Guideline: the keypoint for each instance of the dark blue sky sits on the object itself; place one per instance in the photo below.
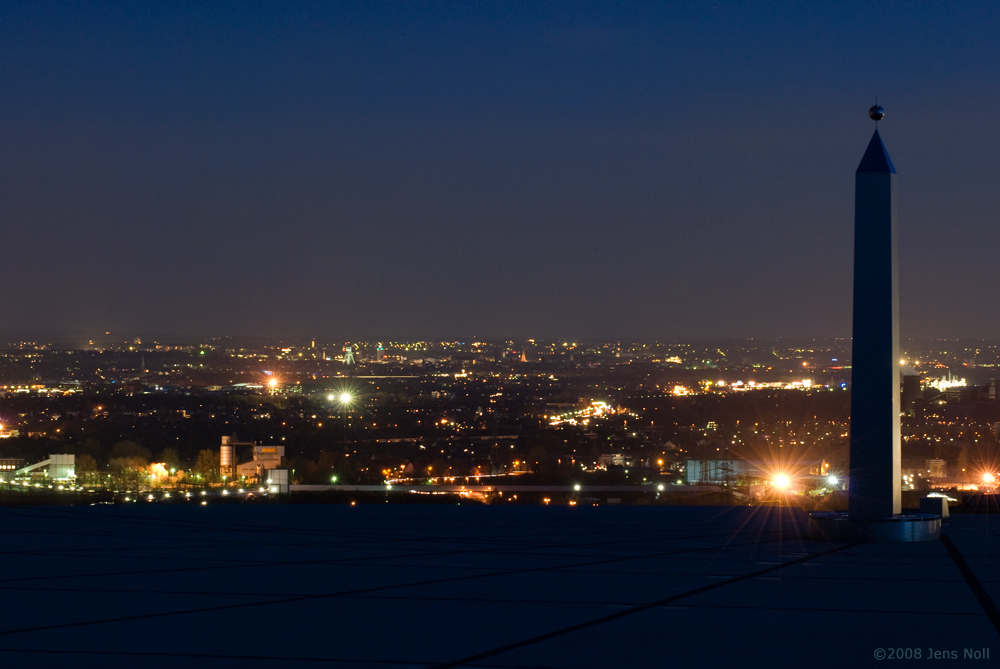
(351, 170)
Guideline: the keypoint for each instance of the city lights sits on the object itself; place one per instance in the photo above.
(947, 382)
(441, 413)
(596, 409)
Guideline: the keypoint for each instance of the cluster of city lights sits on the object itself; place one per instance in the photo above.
(946, 382)
(717, 386)
(596, 409)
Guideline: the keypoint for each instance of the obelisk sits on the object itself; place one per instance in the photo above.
(874, 508)
(874, 479)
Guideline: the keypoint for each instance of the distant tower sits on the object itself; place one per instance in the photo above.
(875, 433)
(226, 458)
(348, 355)
(380, 353)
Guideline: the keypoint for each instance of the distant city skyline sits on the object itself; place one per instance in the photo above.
(89, 339)
(678, 171)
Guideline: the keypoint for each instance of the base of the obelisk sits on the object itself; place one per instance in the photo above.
(837, 526)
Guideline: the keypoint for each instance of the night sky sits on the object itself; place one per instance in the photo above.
(448, 170)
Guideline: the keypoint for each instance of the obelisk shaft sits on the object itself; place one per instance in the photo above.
(875, 436)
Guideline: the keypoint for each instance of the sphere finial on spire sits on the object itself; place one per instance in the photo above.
(876, 113)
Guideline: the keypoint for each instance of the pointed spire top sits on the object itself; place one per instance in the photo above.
(876, 158)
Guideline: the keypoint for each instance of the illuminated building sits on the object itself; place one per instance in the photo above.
(7, 464)
(227, 458)
(265, 458)
(611, 460)
(59, 466)
(937, 468)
